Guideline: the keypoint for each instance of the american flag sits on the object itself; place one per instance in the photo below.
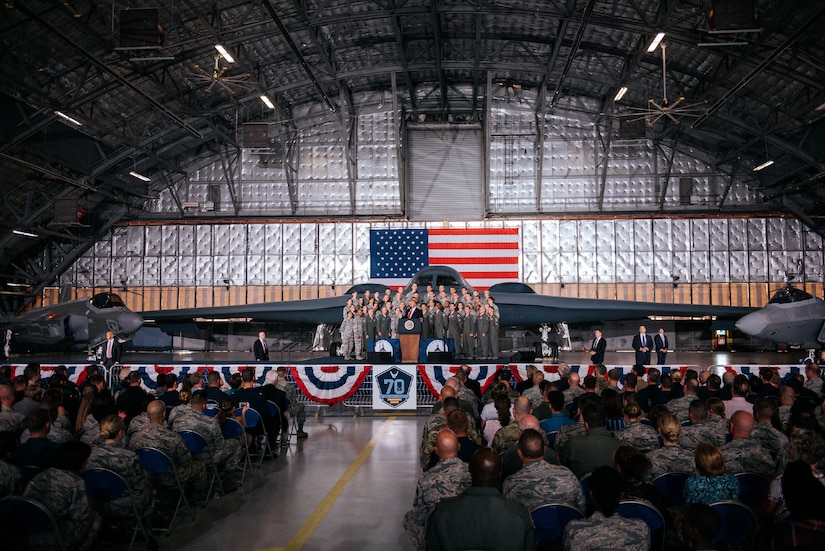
(484, 256)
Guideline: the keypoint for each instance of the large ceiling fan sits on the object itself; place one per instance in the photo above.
(655, 110)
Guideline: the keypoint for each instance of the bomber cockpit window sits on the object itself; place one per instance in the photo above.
(788, 295)
(106, 300)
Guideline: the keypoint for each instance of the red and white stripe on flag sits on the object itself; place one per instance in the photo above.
(484, 256)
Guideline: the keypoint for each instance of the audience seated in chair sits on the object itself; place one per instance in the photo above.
(62, 491)
(606, 529)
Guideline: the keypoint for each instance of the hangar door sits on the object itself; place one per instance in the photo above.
(444, 173)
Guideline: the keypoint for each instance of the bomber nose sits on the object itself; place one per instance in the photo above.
(753, 323)
(130, 322)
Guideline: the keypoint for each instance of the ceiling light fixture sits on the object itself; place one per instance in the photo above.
(620, 94)
(821, 107)
(25, 233)
(139, 176)
(12, 284)
(768, 161)
(655, 44)
(224, 53)
(67, 118)
(267, 102)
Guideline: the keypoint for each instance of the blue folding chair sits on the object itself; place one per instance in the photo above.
(275, 413)
(197, 445)
(550, 520)
(739, 525)
(632, 508)
(752, 489)
(210, 411)
(670, 487)
(585, 482)
(551, 438)
(104, 486)
(157, 465)
(233, 430)
(27, 524)
(255, 427)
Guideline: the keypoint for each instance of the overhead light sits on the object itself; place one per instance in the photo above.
(11, 284)
(25, 233)
(620, 94)
(225, 54)
(763, 166)
(67, 118)
(139, 176)
(267, 102)
(768, 162)
(821, 107)
(656, 40)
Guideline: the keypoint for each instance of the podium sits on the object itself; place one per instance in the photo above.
(409, 334)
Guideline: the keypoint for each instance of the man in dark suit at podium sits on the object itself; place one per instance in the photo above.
(597, 348)
(413, 312)
(642, 343)
(260, 348)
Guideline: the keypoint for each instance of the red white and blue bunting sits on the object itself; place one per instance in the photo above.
(435, 376)
(331, 384)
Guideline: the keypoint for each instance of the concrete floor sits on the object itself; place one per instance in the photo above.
(344, 488)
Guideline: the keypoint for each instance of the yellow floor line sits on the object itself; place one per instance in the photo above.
(304, 533)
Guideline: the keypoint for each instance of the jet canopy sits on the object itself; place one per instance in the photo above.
(106, 300)
(788, 295)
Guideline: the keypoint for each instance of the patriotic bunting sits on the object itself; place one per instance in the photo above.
(331, 384)
(435, 376)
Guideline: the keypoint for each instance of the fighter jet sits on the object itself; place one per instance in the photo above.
(791, 317)
(518, 305)
(84, 321)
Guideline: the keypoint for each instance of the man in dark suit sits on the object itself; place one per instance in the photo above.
(260, 348)
(413, 312)
(661, 344)
(597, 348)
(112, 349)
(642, 343)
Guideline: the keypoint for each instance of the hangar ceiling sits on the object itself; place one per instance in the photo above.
(165, 111)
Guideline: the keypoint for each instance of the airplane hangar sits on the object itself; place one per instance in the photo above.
(140, 158)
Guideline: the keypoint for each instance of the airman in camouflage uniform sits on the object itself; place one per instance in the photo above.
(127, 464)
(601, 532)
(567, 433)
(671, 459)
(359, 334)
(538, 482)
(714, 430)
(296, 408)
(435, 423)
(194, 420)
(508, 436)
(10, 479)
(348, 335)
(680, 406)
(771, 439)
(11, 420)
(640, 436)
(574, 390)
(449, 477)
(192, 472)
(63, 493)
(745, 454)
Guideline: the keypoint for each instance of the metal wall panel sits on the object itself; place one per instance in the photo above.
(592, 256)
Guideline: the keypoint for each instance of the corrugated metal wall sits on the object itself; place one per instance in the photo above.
(718, 260)
(559, 188)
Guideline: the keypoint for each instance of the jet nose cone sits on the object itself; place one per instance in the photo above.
(753, 323)
(130, 322)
